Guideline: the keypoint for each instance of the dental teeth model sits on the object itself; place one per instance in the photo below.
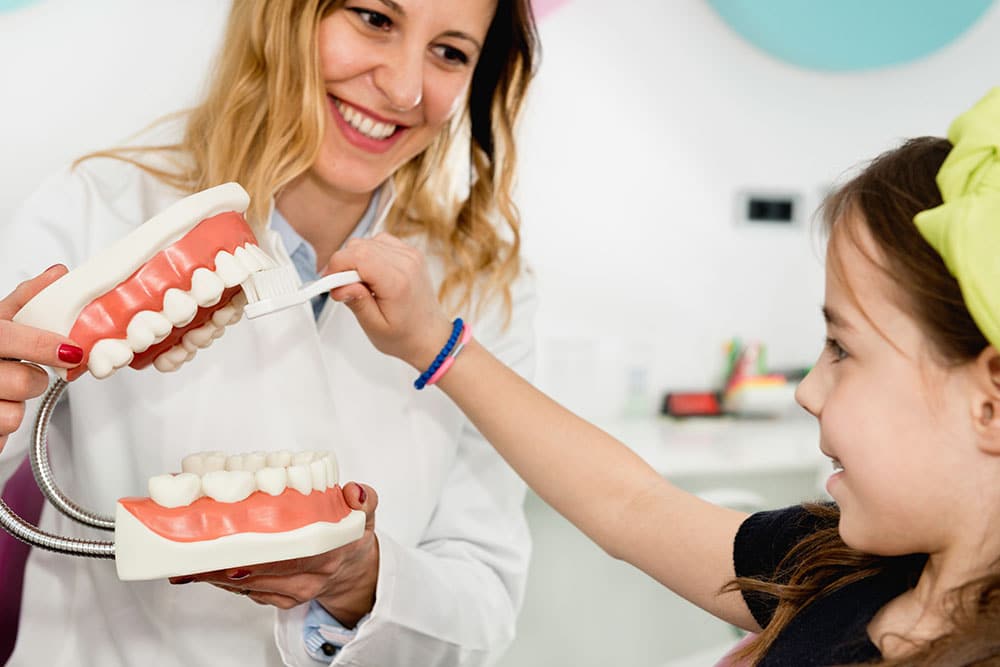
(160, 294)
(230, 511)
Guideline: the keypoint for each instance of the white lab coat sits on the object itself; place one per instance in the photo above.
(453, 539)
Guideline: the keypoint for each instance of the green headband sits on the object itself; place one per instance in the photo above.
(965, 230)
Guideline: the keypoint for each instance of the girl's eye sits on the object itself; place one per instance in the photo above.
(374, 19)
(838, 353)
(452, 55)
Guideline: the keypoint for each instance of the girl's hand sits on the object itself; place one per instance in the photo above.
(342, 581)
(19, 381)
(396, 305)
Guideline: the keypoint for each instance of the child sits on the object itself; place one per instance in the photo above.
(902, 568)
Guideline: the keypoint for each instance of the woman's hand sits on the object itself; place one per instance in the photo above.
(342, 580)
(396, 306)
(19, 381)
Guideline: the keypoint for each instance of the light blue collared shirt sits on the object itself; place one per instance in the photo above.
(304, 255)
(323, 634)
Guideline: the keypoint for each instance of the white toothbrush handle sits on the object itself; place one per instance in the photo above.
(327, 283)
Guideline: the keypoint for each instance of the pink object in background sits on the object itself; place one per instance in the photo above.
(545, 7)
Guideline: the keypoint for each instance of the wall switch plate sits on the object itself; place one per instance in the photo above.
(769, 207)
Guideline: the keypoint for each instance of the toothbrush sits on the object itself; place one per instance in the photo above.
(271, 290)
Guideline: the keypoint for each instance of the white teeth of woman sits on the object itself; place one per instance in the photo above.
(175, 490)
(268, 472)
(228, 486)
(364, 124)
(148, 327)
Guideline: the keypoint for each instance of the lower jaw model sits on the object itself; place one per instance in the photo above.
(160, 294)
(223, 512)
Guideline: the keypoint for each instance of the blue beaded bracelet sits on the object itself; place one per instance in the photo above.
(456, 330)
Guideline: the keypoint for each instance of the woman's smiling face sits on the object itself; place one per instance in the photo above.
(395, 73)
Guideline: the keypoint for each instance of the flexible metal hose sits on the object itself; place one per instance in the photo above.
(30, 534)
(42, 469)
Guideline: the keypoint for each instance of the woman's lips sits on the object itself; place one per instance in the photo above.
(355, 136)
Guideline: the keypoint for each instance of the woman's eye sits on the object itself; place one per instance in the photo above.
(374, 19)
(452, 55)
(838, 352)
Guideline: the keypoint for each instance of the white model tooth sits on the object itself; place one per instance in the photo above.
(271, 481)
(279, 459)
(263, 258)
(228, 486)
(206, 287)
(224, 316)
(247, 259)
(332, 471)
(235, 462)
(318, 471)
(199, 338)
(178, 307)
(254, 461)
(300, 479)
(214, 461)
(175, 490)
(107, 356)
(165, 364)
(301, 458)
(239, 300)
(194, 463)
(217, 332)
(231, 271)
(147, 328)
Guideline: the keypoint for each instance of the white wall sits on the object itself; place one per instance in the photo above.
(646, 118)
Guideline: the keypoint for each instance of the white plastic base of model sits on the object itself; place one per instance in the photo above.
(57, 307)
(141, 554)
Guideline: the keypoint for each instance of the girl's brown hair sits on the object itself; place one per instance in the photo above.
(263, 118)
(881, 201)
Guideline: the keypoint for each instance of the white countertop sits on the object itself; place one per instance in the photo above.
(721, 445)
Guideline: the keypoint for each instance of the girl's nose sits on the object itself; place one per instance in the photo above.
(401, 79)
(809, 393)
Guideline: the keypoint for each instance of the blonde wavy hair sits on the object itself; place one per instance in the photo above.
(263, 118)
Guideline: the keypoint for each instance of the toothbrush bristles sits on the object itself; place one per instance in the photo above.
(270, 283)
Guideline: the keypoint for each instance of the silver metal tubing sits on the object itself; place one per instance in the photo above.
(30, 534)
(42, 469)
(25, 532)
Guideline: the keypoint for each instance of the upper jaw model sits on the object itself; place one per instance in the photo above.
(161, 293)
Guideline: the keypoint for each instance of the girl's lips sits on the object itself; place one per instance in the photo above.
(358, 139)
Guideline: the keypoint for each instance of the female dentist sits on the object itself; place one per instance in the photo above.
(341, 119)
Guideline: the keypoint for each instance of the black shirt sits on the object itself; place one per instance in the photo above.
(832, 630)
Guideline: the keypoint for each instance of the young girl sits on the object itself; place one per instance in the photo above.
(903, 568)
(339, 117)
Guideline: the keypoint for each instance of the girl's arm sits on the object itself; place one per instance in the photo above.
(589, 477)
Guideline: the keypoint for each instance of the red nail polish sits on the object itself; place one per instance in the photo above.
(70, 354)
(362, 495)
(182, 580)
(240, 574)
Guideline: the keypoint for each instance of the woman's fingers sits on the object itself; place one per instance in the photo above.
(20, 342)
(24, 292)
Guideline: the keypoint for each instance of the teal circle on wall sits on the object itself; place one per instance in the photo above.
(7, 5)
(849, 34)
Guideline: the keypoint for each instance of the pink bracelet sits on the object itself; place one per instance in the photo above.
(466, 337)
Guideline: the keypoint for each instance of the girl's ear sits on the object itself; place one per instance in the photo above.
(986, 400)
